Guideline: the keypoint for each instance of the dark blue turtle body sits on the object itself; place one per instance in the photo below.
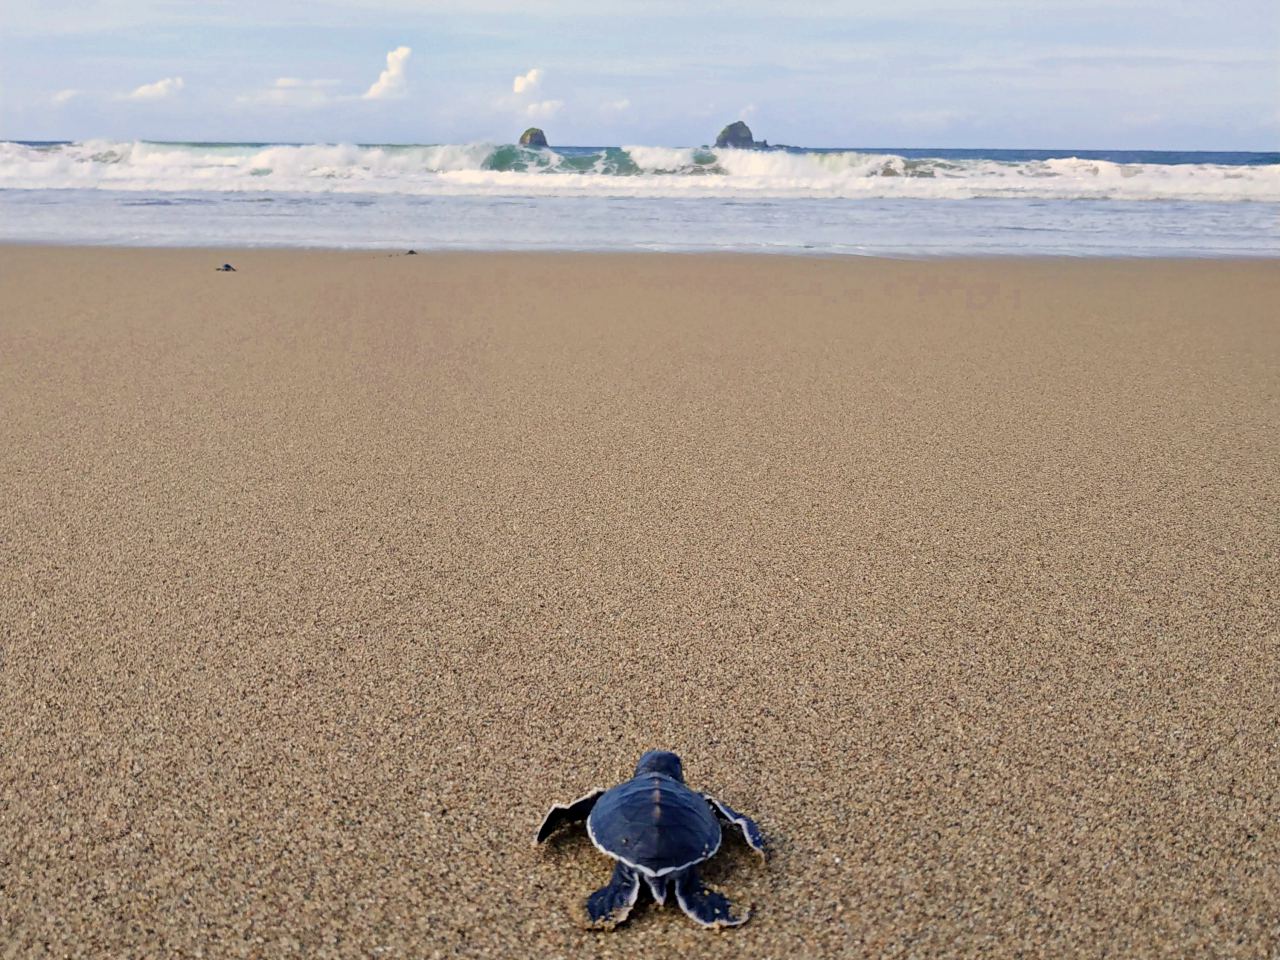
(658, 830)
(654, 824)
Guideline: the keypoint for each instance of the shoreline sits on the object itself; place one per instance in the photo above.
(798, 254)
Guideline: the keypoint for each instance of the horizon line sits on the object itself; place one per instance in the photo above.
(588, 146)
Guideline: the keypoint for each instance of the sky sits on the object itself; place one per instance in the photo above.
(1082, 74)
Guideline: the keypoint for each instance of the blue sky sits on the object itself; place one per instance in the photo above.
(995, 73)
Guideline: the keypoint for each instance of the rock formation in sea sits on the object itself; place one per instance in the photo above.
(736, 134)
(533, 137)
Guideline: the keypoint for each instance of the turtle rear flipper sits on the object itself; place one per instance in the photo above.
(703, 905)
(574, 812)
(750, 830)
(612, 903)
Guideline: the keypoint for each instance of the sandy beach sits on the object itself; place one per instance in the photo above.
(321, 580)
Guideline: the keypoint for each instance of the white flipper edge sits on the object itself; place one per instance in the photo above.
(750, 830)
(562, 813)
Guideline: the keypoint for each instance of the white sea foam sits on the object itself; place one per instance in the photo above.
(483, 169)
(662, 159)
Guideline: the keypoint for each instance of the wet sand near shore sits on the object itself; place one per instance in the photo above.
(323, 579)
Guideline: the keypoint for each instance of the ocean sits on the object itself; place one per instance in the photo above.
(483, 196)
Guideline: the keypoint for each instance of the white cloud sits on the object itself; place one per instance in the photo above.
(616, 106)
(543, 109)
(391, 83)
(65, 96)
(292, 83)
(526, 82)
(292, 92)
(158, 90)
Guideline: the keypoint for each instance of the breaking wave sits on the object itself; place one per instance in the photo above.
(484, 169)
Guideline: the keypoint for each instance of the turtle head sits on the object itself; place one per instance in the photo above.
(661, 761)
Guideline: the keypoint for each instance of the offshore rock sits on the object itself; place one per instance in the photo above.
(736, 134)
(533, 137)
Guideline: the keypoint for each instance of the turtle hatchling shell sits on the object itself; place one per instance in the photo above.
(654, 823)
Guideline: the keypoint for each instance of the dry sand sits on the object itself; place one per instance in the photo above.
(323, 579)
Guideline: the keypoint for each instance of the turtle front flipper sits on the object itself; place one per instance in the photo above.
(750, 830)
(574, 812)
(703, 905)
(612, 903)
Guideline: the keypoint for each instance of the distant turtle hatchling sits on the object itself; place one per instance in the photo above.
(659, 831)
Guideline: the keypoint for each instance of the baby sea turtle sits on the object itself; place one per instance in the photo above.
(658, 830)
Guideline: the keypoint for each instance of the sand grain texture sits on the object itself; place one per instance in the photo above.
(323, 579)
